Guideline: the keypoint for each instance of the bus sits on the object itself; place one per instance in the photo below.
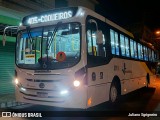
(75, 58)
(158, 69)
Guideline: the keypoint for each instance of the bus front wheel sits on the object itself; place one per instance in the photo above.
(113, 93)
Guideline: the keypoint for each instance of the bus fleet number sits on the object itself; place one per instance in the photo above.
(94, 76)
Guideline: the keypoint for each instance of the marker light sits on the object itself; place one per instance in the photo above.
(76, 83)
(23, 89)
(16, 81)
(89, 102)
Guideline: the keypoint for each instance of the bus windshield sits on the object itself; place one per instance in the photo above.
(50, 47)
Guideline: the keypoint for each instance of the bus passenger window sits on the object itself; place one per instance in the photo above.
(114, 42)
(135, 50)
(149, 54)
(140, 52)
(127, 47)
(122, 45)
(155, 55)
(131, 48)
(153, 59)
(145, 53)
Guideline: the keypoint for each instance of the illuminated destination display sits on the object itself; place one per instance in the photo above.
(50, 17)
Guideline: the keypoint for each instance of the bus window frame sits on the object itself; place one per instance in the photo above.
(93, 61)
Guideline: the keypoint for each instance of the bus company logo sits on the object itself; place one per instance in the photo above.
(124, 69)
(41, 85)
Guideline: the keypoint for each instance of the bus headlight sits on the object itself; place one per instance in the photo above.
(64, 92)
(76, 83)
(16, 81)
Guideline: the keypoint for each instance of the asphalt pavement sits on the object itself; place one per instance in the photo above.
(145, 100)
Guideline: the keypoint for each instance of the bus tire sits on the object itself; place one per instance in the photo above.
(114, 93)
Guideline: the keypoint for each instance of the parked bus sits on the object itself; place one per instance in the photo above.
(75, 58)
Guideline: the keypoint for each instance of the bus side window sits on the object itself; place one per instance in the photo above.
(94, 48)
(122, 43)
(114, 42)
(139, 51)
(132, 48)
(149, 54)
(153, 56)
(91, 38)
(127, 46)
(142, 53)
(145, 53)
(135, 50)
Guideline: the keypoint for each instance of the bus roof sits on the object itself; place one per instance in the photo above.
(65, 13)
(98, 16)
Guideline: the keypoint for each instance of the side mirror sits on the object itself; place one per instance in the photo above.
(4, 39)
(4, 35)
(99, 35)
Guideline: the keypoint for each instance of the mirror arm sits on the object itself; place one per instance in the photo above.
(4, 35)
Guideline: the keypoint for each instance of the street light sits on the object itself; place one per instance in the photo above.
(157, 32)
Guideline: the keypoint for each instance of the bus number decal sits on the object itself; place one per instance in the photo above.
(101, 75)
(93, 76)
(116, 67)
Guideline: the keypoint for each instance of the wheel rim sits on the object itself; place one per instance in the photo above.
(113, 94)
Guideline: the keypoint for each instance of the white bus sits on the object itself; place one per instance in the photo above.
(75, 58)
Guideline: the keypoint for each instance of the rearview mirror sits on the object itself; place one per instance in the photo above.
(4, 35)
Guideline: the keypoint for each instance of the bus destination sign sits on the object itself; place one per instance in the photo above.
(49, 17)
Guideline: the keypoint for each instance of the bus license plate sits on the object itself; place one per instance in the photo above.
(42, 94)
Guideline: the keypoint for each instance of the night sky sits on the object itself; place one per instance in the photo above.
(127, 12)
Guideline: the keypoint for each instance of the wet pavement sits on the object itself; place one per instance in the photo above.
(143, 101)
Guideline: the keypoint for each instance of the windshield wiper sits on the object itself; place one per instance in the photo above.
(29, 34)
(49, 42)
(52, 35)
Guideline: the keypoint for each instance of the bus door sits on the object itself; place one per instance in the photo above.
(95, 62)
